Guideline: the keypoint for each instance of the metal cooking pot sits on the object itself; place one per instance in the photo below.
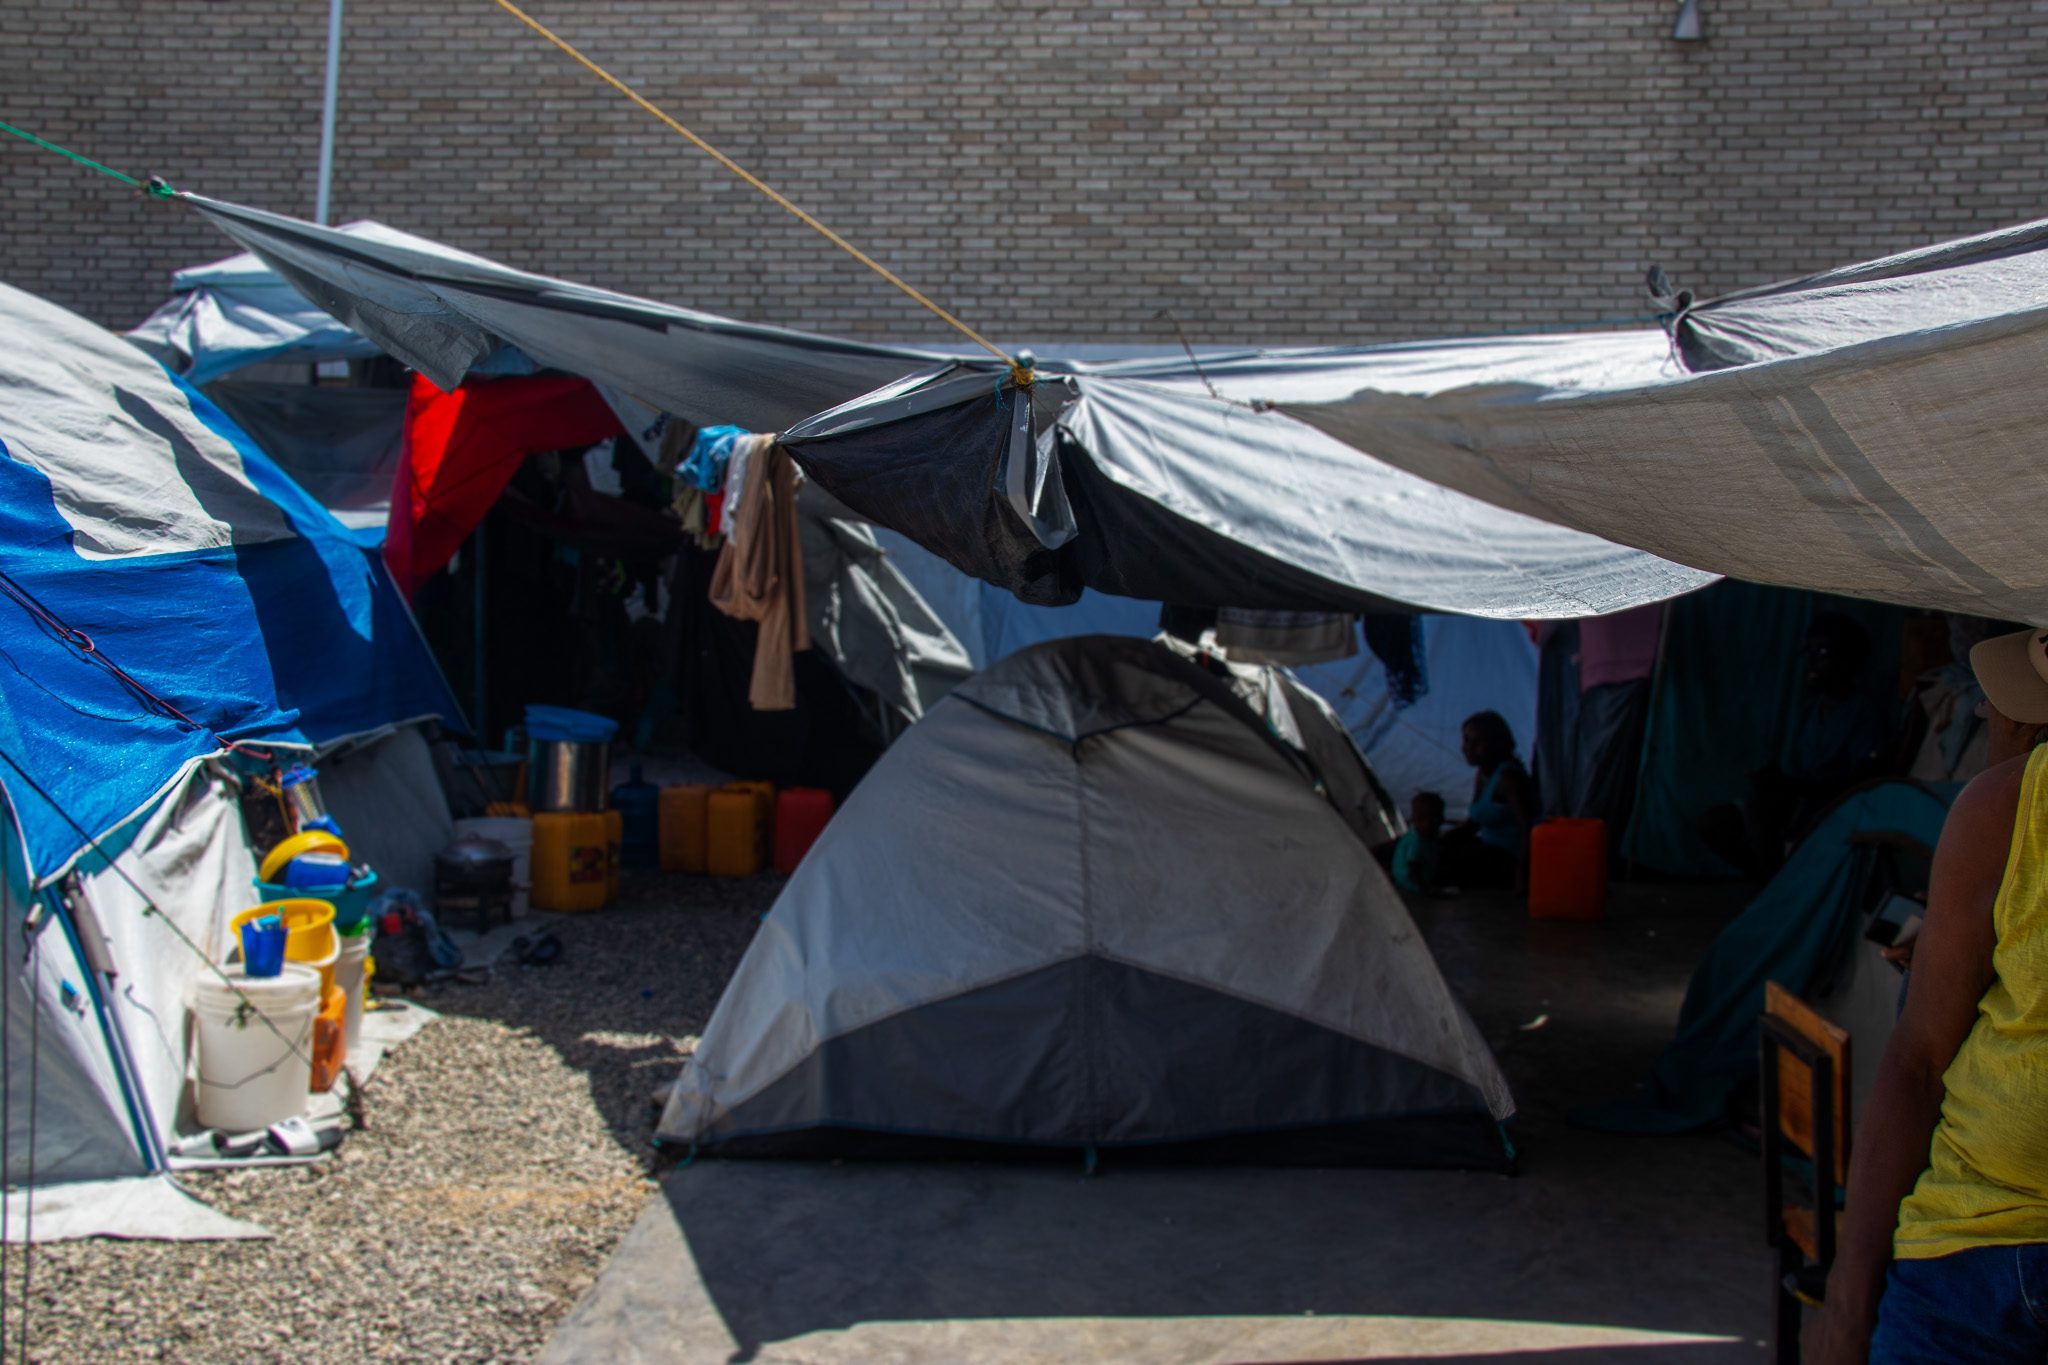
(475, 857)
(568, 775)
(473, 877)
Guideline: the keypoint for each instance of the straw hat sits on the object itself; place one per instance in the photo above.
(2013, 670)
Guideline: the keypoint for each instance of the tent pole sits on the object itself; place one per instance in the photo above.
(100, 989)
(477, 673)
(1635, 803)
(327, 111)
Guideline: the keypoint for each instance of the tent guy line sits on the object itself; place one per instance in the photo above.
(84, 644)
(153, 185)
(158, 187)
(1019, 372)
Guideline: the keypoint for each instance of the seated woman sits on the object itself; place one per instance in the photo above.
(1491, 847)
(1944, 1243)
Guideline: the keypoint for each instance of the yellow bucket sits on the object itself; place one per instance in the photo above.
(309, 940)
(312, 841)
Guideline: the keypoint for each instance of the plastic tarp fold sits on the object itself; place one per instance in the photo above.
(1872, 431)
(236, 312)
(444, 311)
(870, 620)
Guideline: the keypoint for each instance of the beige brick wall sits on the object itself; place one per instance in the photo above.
(1267, 172)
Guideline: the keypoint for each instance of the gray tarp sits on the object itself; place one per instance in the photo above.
(1146, 489)
(1317, 522)
(444, 311)
(1871, 431)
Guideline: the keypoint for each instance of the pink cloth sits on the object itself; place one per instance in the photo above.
(1619, 648)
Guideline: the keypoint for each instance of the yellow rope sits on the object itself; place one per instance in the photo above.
(743, 173)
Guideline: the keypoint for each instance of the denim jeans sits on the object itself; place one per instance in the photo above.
(1985, 1306)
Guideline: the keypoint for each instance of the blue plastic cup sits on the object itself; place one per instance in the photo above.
(263, 946)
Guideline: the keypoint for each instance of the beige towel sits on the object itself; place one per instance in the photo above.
(760, 573)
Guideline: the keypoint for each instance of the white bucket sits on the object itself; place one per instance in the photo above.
(515, 833)
(249, 1076)
(348, 979)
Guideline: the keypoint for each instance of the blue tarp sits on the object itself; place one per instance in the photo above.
(136, 517)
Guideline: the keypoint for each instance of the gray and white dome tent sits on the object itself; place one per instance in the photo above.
(1092, 900)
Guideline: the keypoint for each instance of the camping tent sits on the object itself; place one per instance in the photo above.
(175, 611)
(1091, 901)
(1409, 734)
(229, 314)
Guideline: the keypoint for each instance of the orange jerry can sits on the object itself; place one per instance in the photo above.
(732, 822)
(571, 861)
(1568, 870)
(800, 816)
(764, 818)
(683, 831)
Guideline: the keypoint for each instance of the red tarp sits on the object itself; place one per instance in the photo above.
(461, 449)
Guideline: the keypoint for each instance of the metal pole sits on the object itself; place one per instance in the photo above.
(327, 110)
(479, 675)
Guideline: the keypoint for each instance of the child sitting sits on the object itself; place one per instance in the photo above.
(1415, 856)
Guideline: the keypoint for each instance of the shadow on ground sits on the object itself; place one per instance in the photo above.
(1606, 1248)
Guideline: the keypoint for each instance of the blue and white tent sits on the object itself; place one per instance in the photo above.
(169, 600)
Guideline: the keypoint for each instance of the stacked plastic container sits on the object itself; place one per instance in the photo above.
(739, 829)
(575, 835)
(1568, 870)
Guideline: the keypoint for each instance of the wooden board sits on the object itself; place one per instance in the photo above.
(1795, 1078)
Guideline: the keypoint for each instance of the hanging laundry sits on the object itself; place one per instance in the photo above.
(1285, 637)
(1619, 648)
(678, 439)
(743, 451)
(689, 508)
(1396, 641)
(705, 465)
(760, 573)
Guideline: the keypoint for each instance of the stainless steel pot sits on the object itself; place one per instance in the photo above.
(564, 775)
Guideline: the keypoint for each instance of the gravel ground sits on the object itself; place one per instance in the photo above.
(506, 1151)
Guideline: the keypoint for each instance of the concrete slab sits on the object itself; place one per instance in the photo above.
(1606, 1248)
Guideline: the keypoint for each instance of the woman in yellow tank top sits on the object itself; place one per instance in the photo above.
(1944, 1245)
